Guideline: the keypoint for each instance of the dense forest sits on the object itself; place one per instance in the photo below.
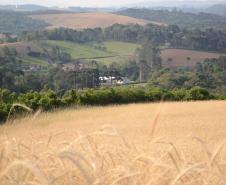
(182, 19)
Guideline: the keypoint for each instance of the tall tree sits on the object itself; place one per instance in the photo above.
(149, 59)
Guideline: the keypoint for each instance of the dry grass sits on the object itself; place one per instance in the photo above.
(87, 20)
(180, 57)
(142, 144)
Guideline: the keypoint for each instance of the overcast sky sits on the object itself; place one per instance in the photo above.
(86, 3)
(65, 3)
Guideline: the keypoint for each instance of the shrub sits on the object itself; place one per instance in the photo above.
(4, 109)
(180, 94)
(168, 96)
(154, 94)
(50, 100)
(198, 93)
(70, 98)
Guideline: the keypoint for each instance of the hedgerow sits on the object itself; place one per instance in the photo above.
(104, 96)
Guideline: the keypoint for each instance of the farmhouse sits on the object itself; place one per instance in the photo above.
(112, 80)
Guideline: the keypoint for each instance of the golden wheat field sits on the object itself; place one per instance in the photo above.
(137, 144)
(88, 20)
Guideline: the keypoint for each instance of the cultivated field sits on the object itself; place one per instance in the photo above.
(181, 57)
(87, 20)
(137, 144)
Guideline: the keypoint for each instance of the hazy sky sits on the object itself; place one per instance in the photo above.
(87, 3)
(65, 3)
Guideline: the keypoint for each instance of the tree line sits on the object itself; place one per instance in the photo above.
(210, 74)
(168, 36)
(178, 17)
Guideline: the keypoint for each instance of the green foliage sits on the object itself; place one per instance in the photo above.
(50, 100)
(3, 112)
(96, 97)
(149, 59)
(207, 39)
(70, 98)
(154, 94)
(180, 94)
(210, 74)
(198, 93)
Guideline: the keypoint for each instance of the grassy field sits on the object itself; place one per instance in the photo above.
(113, 48)
(121, 48)
(136, 144)
(115, 51)
(190, 58)
(78, 51)
(118, 52)
(86, 20)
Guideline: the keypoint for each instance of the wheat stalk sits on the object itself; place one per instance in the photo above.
(18, 105)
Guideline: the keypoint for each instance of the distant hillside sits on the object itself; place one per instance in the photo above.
(182, 19)
(86, 9)
(17, 22)
(197, 4)
(32, 7)
(24, 7)
(86, 20)
(219, 9)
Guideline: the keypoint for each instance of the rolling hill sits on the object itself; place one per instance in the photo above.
(219, 9)
(16, 22)
(23, 7)
(104, 53)
(182, 19)
(110, 52)
(87, 20)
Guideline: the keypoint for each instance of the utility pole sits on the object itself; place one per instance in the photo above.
(74, 79)
(93, 82)
(86, 78)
